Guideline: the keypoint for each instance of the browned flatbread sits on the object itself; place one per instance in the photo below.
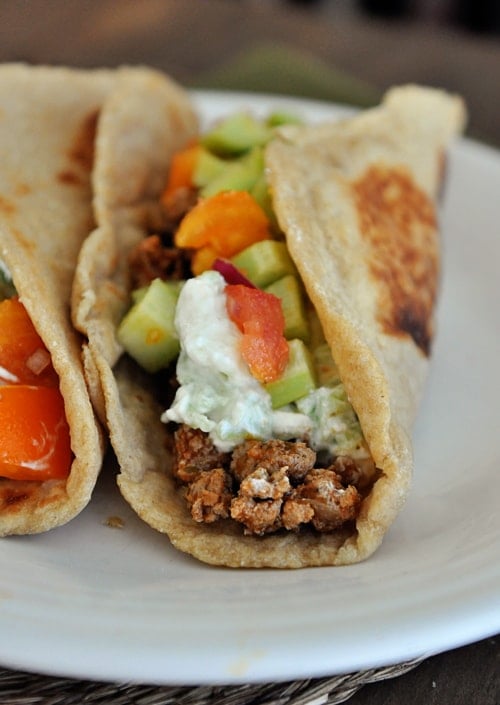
(357, 202)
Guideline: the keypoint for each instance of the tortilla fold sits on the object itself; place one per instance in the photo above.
(49, 126)
(357, 201)
(48, 118)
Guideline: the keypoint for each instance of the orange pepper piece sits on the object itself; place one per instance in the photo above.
(181, 170)
(228, 222)
(34, 435)
(259, 316)
(203, 259)
(19, 343)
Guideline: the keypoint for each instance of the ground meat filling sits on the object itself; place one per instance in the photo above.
(156, 256)
(152, 259)
(265, 485)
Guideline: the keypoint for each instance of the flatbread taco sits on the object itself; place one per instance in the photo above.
(51, 444)
(258, 342)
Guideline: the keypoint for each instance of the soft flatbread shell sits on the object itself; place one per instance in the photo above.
(144, 122)
(48, 118)
(345, 194)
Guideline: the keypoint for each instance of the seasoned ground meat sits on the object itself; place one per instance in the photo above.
(332, 503)
(272, 455)
(151, 259)
(296, 512)
(209, 496)
(177, 204)
(347, 470)
(265, 485)
(259, 500)
(194, 452)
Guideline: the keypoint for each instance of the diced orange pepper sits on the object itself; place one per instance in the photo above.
(19, 342)
(259, 316)
(181, 170)
(34, 435)
(203, 259)
(228, 222)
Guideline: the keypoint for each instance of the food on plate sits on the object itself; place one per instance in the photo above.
(276, 307)
(51, 444)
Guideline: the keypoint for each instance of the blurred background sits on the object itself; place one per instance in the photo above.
(348, 51)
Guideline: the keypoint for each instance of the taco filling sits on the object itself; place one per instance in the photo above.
(265, 434)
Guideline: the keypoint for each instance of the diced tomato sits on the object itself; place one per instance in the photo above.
(181, 170)
(23, 356)
(223, 225)
(259, 317)
(34, 434)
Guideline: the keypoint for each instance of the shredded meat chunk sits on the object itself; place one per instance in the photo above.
(209, 496)
(151, 259)
(194, 452)
(259, 500)
(272, 455)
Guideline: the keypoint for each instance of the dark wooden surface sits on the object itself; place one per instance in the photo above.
(192, 38)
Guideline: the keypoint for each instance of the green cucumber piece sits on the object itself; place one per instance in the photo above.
(236, 134)
(264, 262)
(282, 117)
(297, 380)
(260, 191)
(147, 331)
(288, 289)
(237, 175)
(326, 369)
(208, 167)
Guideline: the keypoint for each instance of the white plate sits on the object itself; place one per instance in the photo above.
(90, 601)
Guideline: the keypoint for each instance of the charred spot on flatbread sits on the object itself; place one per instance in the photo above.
(18, 496)
(398, 222)
(81, 152)
(6, 206)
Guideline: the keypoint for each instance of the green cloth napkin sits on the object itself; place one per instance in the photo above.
(281, 69)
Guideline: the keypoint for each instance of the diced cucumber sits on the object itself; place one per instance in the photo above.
(264, 262)
(282, 117)
(326, 369)
(147, 331)
(298, 378)
(237, 175)
(260, 191)
(236, 134)
(208, 167)
(289, 291)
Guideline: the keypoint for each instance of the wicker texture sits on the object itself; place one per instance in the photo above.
(18, 688)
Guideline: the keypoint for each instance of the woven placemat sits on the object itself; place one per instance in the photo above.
(19, 688)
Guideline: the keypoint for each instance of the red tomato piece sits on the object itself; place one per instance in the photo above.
(259, 317)
(34, 434)
(22, 351)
